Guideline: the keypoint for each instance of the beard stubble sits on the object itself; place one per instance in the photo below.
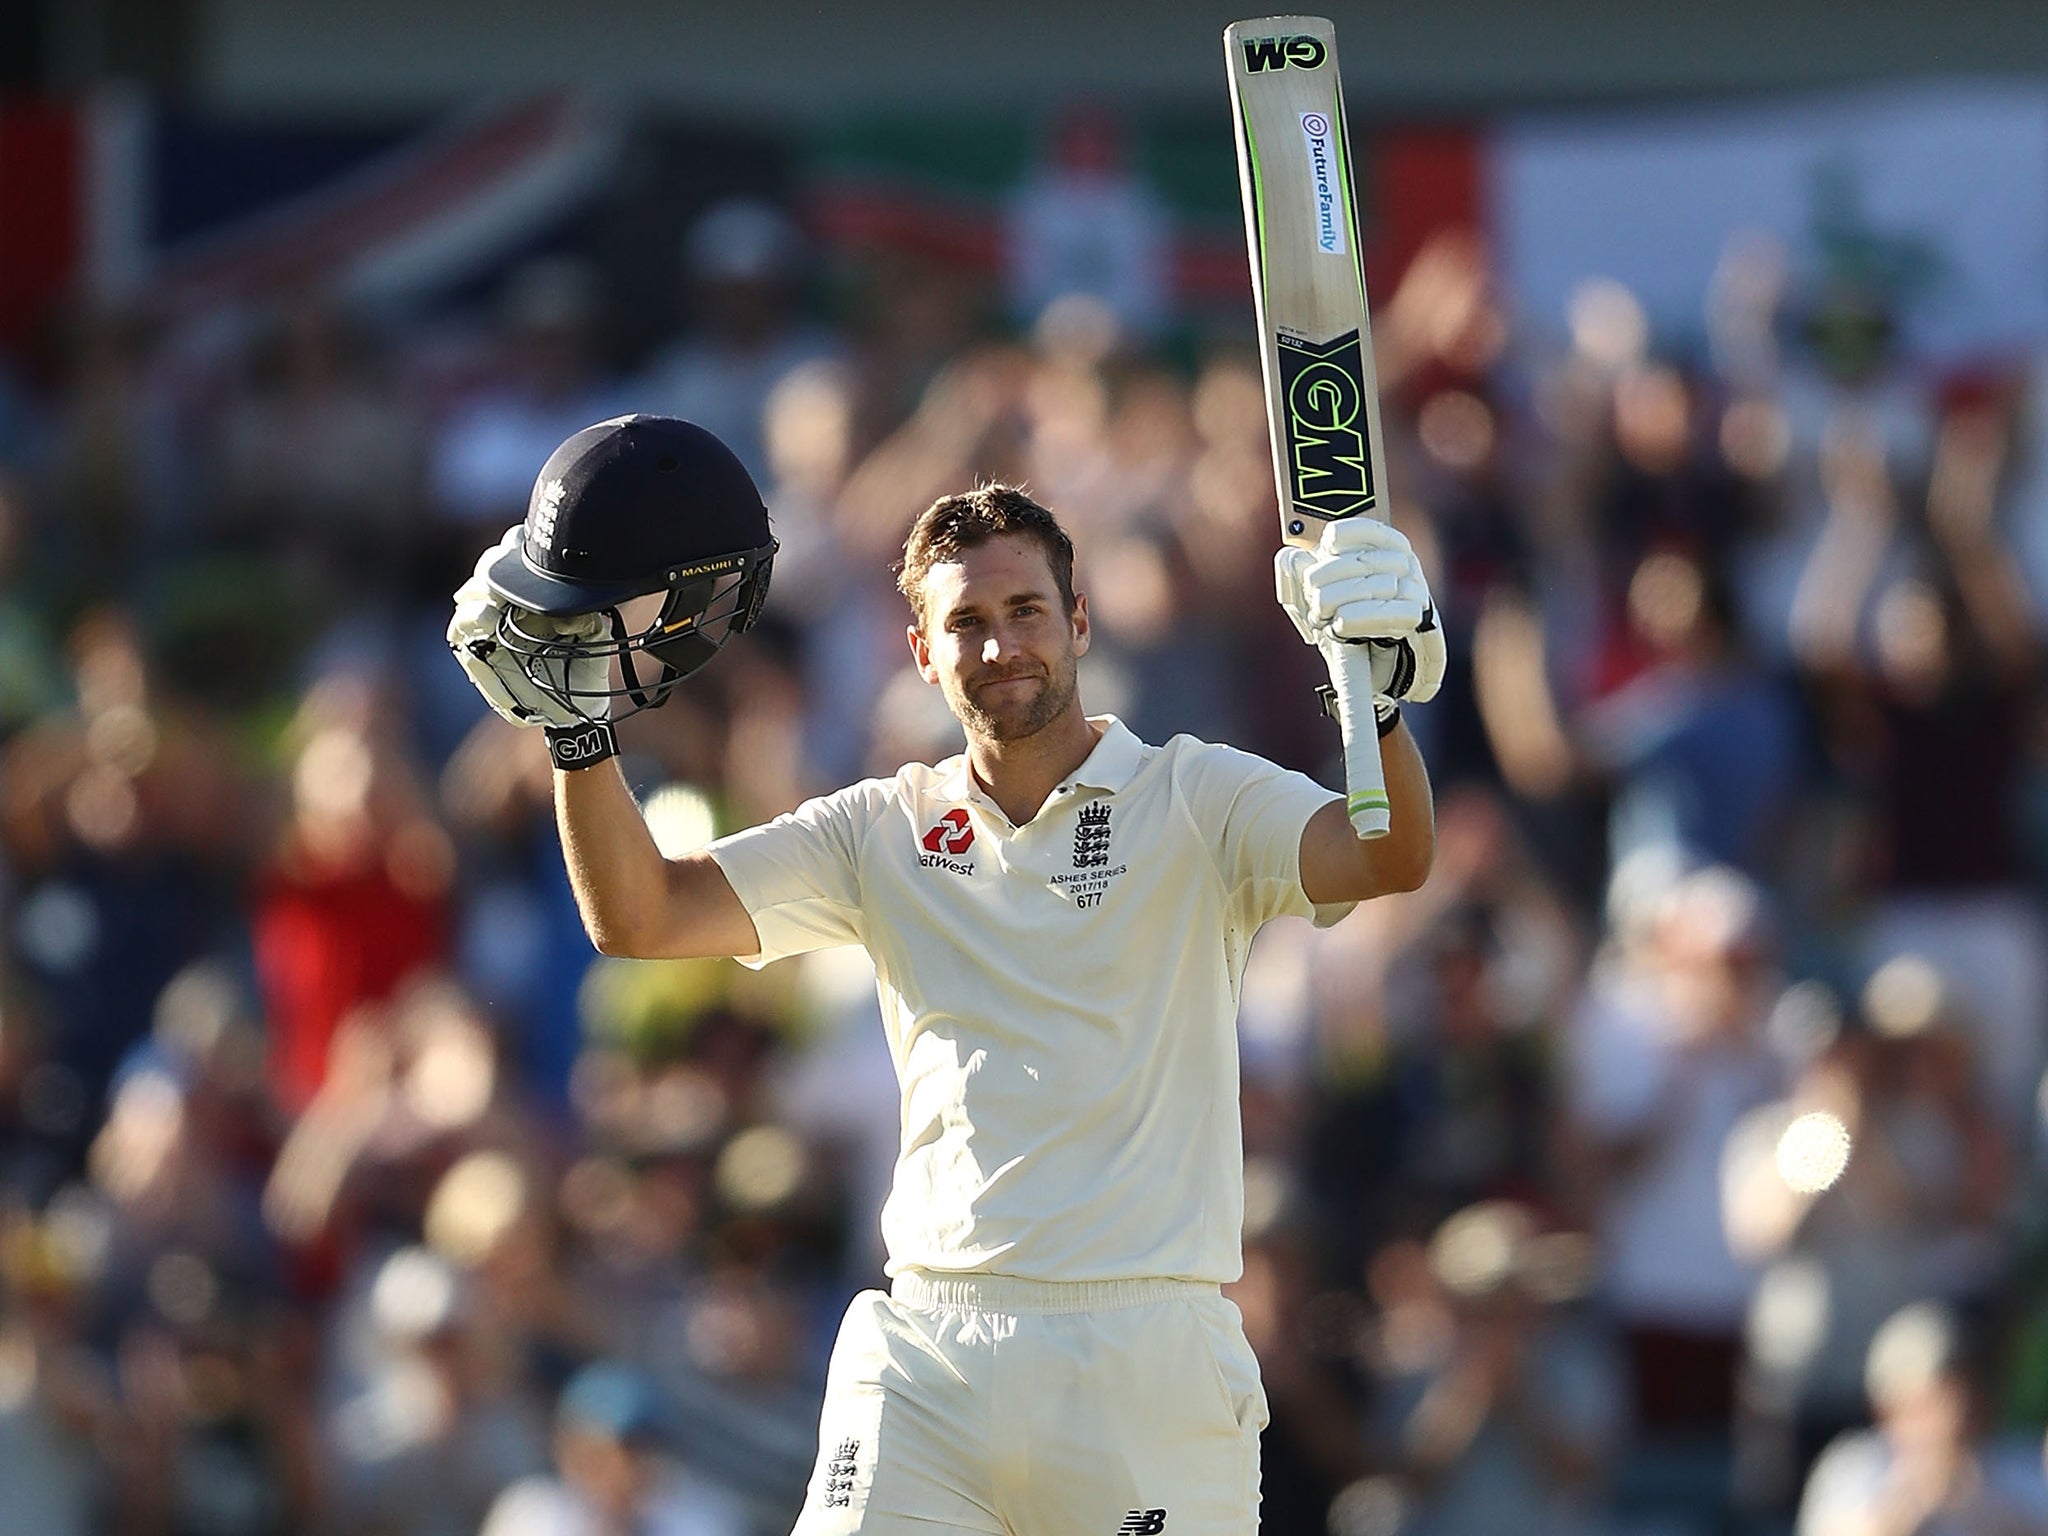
(1052, 700)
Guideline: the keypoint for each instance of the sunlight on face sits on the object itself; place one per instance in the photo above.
(997, 640)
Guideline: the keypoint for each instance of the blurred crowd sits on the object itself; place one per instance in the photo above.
(1670, 1163)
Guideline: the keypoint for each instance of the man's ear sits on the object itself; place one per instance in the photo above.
(921, 653)
(1079, 620)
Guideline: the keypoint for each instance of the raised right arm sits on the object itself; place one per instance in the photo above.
(636, 903)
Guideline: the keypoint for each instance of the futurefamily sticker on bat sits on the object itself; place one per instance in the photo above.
(1325, 183)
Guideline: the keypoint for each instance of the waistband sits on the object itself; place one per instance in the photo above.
(1006, 1293)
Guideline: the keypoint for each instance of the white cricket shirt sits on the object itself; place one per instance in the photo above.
(1060, 998)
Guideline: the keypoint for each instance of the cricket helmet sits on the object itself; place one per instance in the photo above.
(626, 509)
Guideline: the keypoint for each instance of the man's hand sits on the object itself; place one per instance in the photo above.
(502, 676)
(1362, 585)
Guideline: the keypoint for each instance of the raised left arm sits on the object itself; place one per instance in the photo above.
(1338, 865)
(1362, 586)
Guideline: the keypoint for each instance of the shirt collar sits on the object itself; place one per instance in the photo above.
(1110, 766)
(956, 780)
(1115, 758)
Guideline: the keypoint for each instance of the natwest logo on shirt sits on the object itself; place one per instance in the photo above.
(952, 833)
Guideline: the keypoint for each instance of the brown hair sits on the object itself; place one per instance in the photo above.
(962, 521)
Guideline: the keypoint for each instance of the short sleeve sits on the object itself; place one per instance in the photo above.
(798, 876)
(1252, 813)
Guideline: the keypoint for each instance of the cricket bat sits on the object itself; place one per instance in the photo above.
(1308, 285)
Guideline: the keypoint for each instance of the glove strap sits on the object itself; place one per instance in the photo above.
(1386, 714)
(582, 746)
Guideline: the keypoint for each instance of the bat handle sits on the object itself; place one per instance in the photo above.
(1365, 776)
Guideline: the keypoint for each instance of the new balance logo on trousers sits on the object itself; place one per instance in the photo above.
(1143, 1522)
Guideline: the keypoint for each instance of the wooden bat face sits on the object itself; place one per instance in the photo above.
(1308, 284)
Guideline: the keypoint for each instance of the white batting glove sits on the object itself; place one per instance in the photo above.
(500, 676)
(1362, 585)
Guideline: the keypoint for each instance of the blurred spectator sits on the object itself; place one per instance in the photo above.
(214, 1438)
(808, 450)
(444, 1422)
(1666, 1057)
(43, 1113)
(1831, 370)
(614, 1476)
(1939, 696)
(549, 384)
(1085, 223)
(410, 1089)
(742, 268)
(832, 593)
(115, 474)
(57, 1401)
(165, 1202)
(520, 945)
(489, 1215)
(354, 900)
(1702, 749)
(206, 1029)
(1879, 1181)
(1166, 644)
(970, 420)
(1458, 1109)
(1482, 553)
(1509, 1422)
(316, 461)
(1668, 485)
(1931, 1464)
(118, 826)
(736, 1358)
(1314, 1441)
(842, 1091)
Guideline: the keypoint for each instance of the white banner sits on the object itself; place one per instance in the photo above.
(1948, 185)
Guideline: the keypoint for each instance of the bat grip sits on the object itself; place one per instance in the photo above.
(1365, 777)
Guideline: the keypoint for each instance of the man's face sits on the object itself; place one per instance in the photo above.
(998, 641)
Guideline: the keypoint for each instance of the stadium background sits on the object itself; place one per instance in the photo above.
(1671, 1163)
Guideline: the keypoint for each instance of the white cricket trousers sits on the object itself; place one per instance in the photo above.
(1032, 1408)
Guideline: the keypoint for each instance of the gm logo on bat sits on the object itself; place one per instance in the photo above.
(1324, 387)
(1264, 53)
